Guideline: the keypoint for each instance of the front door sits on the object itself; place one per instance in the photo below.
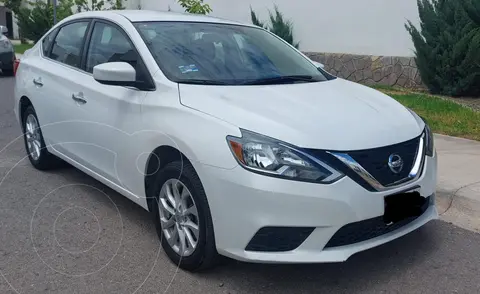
(109, 115)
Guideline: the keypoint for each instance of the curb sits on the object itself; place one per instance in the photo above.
(452, 138)
(459, 210)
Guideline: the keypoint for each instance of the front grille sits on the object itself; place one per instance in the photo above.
(277, 239)
(371, 228)
(375, 161)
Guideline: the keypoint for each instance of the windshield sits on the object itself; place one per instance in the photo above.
(223, 54)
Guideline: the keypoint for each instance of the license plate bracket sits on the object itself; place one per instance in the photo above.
(403, 205)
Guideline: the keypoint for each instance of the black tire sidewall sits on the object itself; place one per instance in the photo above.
(41, 162)
(205, 251)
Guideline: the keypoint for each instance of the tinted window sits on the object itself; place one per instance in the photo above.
(109, 44)
(47, 41)
(228, 54)
(68, 43)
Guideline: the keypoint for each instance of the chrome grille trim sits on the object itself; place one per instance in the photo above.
(414, 174)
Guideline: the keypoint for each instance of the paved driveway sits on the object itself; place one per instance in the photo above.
(63, 232)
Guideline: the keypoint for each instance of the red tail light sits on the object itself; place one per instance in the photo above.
(16, 63)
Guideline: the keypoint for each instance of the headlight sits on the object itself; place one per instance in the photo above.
(428, 140)
(270, 157)
(428, 134)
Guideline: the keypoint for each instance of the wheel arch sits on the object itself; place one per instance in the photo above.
(158, 158)
(23, 104)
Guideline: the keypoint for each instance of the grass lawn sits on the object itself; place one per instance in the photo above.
(20, 48)
(444, 116)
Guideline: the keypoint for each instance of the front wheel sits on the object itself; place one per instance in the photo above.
(182, 217)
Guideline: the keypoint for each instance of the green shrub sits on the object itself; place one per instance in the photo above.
(278, 25)
(13, 5)
(86, 5)
(195, 6)
(447, 46)
(36, 21)
(255, 20)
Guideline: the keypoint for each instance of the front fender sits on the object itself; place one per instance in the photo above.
(165, 122)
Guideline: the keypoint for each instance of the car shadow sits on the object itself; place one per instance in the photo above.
(125, 206)
(362, 270)
(374, 265)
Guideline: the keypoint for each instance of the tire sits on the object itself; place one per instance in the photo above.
(45, 160)
(205, 255)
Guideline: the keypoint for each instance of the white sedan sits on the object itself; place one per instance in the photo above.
(235, 142)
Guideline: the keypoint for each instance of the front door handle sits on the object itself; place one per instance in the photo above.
(79, 98)
(38, 82)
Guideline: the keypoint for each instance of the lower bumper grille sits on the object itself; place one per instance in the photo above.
(371, 228)
(278, 239)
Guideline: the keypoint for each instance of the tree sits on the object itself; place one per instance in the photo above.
(36, 21)
(13, 5)
(94, 5)
(278, 25)
(447, 46)
(255, 20)
(195, 6)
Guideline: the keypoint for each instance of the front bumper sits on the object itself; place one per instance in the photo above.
(242, 203)
(6, 60)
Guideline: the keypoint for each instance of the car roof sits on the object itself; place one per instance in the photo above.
(152, 15)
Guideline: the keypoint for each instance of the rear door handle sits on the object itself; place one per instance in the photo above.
(38, 82)
(78, 97)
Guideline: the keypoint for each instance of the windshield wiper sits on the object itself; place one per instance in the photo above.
(202, 82)
(263, 81)
(281, 80)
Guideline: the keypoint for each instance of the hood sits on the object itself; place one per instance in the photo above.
(333, 115)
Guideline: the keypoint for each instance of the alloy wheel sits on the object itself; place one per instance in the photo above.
(33, 137)
(179, 217)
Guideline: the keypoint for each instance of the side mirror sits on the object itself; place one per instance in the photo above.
(3, 29)
(115, 74)
(318, 64)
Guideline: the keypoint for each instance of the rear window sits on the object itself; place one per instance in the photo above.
(68, 43)
(47, 41)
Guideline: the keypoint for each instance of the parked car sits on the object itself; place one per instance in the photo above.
(235, 142)
(7, 53)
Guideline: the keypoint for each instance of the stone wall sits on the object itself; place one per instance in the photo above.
(371, 70)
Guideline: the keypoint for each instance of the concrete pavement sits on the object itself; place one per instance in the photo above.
(458, 189)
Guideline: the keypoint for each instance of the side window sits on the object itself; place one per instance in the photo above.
(47, 41)
(109, 44)
(68, 43)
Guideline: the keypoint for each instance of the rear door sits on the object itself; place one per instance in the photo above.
(29, 79)
(53, 73)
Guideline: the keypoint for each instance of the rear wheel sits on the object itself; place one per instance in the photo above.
(37, 152)
(182, 217)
